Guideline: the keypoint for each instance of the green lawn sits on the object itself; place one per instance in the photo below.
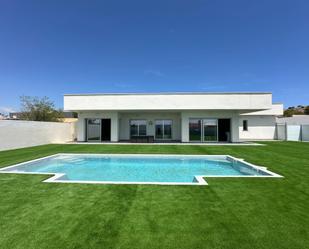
(229, 213)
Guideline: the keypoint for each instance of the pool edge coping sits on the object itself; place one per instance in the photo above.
(199, 178)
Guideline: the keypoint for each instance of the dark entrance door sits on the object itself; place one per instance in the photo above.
(106, 129)
(224, 130)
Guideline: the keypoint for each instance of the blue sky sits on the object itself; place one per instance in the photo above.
(56, 47)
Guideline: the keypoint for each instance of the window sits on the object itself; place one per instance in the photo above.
(210, 129)
(93, 129)
(203, 130)
(138, 128)
(163, 129)
(245, 125)
(195, 129)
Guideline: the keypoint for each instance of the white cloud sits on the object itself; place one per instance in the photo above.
(5, 109)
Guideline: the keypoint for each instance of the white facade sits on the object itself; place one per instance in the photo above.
(261, 124)
(151, 117)
(169, 101)
(259, 128)
(220, 113)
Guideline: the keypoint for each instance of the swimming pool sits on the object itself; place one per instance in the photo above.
(138, 169)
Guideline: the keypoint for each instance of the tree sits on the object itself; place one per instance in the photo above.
(288, 112)
(306, 110)
(39, 109)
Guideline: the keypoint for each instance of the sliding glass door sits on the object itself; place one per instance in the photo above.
(94, 129)
(163, 129)
(195, 130)
(138, 128)
(210, 130)
(203, 130)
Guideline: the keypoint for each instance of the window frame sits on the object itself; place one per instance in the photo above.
(138, 127)
(87, 129)
(163, 128)
(245, 125)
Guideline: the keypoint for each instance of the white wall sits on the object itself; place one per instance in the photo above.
(305, 132)
(281, 131)
(294, 120)
(17, 134)
(124, 120)
(173, 101)
(259, 127)
(293, 132)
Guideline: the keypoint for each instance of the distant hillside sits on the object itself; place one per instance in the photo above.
(296, 110)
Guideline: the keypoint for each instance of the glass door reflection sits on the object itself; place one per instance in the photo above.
(94, 129)
(163, 129)
(195, 131)
(210, 130)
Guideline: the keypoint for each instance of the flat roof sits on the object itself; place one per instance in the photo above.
(169, 101)
(165, 93)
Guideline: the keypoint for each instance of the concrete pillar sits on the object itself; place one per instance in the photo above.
(81, 136)
(184, 128)
(114, 127)
(235, 128)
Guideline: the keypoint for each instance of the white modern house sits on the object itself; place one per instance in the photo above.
(174, 117)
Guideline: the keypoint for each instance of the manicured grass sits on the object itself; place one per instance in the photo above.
(229, 213)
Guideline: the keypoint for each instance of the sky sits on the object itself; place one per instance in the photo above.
(50, 48)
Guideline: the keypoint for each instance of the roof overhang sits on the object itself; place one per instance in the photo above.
(275, 110)
(168, 101)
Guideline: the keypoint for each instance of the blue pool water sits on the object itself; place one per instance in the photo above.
(137, 168)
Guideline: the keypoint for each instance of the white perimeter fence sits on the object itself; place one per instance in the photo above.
(18, 134)
(292, 132)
